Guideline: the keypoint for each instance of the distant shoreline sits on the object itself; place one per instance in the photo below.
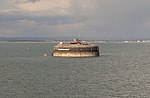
(68, 39)
(90, 41)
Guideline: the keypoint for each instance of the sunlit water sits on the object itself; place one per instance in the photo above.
(122, 71)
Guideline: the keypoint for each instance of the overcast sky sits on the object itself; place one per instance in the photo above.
(103, 19)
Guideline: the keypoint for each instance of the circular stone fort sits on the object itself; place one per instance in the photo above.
(75, 49)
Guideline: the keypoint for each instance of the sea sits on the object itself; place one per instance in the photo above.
(121, 71)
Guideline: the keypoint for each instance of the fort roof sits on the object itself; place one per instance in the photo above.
(74, 45)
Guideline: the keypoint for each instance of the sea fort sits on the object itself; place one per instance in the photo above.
(75, 49)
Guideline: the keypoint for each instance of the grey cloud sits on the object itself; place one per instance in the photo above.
(50, 20)
(105, 19)
(19, 1)
(25, 1)
(43, 24)
(122, 18)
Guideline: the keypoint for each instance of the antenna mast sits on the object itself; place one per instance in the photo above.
(79, 35)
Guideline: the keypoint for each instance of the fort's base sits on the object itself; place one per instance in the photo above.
(75, 54)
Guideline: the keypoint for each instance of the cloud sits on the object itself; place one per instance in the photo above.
(59, 6)
(95, 18)
(19, 1)
(84, 7)
(35, 7)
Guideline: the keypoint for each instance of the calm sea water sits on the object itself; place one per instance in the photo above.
(122, 71)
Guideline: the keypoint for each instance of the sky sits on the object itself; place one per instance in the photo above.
(100, 19)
